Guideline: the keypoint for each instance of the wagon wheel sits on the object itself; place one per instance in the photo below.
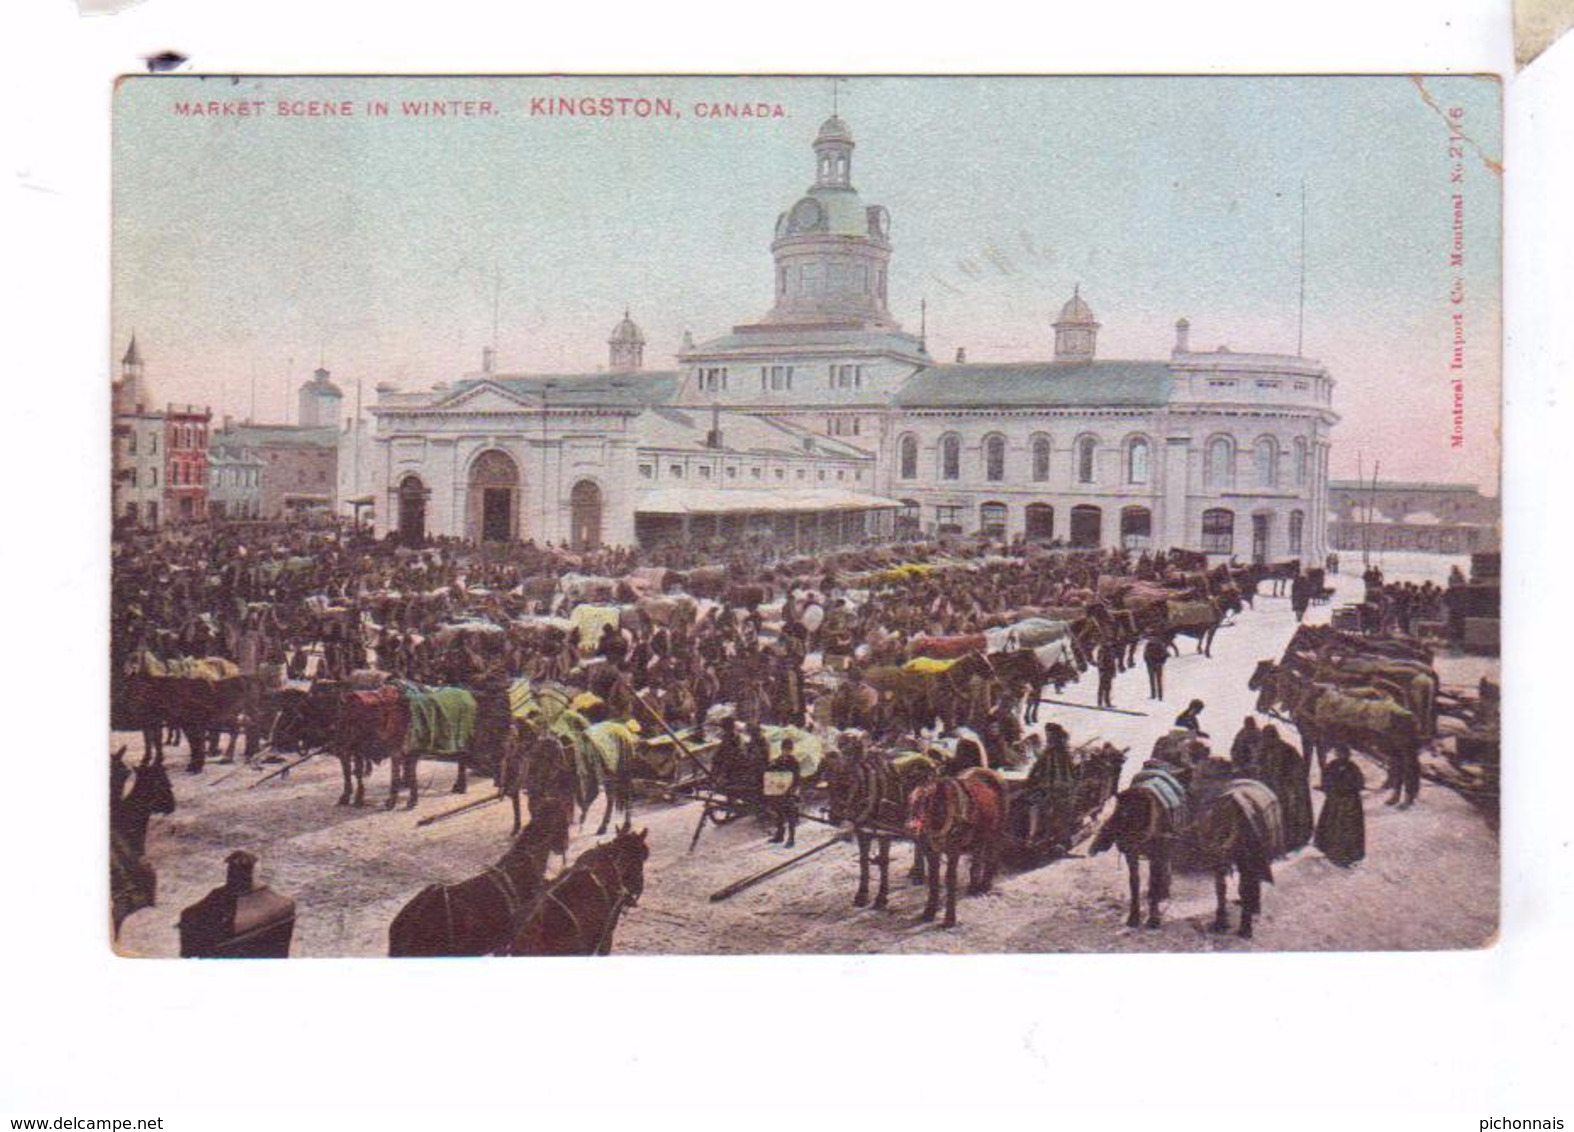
(725, 814)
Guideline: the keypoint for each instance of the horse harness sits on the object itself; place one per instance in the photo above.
(614, 903)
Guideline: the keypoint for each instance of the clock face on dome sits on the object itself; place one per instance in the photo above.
(806, 215)
(879, 221)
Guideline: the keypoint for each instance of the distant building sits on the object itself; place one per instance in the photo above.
(185, 464)
(318, 401)
(298, 464)
(1445, 518)
(234, 483)
(137, 463)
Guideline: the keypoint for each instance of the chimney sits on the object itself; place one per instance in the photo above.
(229, 422)
(488, 359)
(713, 437)
(961, 355)
(1182, 336)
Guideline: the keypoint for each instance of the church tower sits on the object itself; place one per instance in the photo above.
(626, 347)
(131, 391)
(1076, 330)
(831, 250)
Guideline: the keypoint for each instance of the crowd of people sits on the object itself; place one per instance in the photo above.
(291, 603)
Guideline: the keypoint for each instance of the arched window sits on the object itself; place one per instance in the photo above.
(1086, 449)
(995, 458)
(907, 457)
(1296, 531)
(1300, 462)
(1136, 528)
(1218, 531)
(992, 519)
(1041, 459)
(1137, 460)
(950, 456)
(1266, 453)
(1087, 526)
(1040, 518)
(1219, 468)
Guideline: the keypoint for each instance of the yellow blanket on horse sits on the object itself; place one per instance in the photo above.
(928, 665)
(1362, 709)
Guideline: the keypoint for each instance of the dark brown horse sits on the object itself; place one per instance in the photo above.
(478, 915)
(871, 792)
(1232, 824)
(953, 816)
(579, 911)
(151, 793)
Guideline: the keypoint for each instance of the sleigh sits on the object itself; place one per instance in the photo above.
(1049, 812)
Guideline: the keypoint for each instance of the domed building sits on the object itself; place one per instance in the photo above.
(824, 419)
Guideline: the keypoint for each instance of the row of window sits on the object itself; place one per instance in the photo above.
(188, 436)
(184, 474)
(647, 471)
(843, 426)
(235, 477)
(777, 379)
(1086, 528)
(131, 444)
(1136, 460)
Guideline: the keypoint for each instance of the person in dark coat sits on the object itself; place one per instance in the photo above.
(1243, 751)
(1341, 827)
(1281, 768)
(1191, 719)
(1109, 665)
(1300, 596)
(782, 781)
(1156, 654)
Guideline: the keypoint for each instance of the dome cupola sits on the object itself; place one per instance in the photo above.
(1076, 330)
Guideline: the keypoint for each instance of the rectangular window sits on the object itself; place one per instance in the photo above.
(1221, 383)
(132, 479)
(153, 445)
(132, 443)
(704, 471)
(948, 520)
(1267, 385)
(647, 472)
(755, 473)
(676, 471)
(732, 473)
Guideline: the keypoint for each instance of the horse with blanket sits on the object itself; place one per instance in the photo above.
(1363, 718)
(1201, 813)
(201, 697)
(870, 791)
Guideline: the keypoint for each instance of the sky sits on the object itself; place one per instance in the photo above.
(248, 249)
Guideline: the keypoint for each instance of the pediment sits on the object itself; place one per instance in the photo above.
(486, 397)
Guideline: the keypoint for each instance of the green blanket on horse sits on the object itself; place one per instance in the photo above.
(442, 720)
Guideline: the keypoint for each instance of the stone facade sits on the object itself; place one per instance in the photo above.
(1214, 450)
(1449, 518)
(299, 464)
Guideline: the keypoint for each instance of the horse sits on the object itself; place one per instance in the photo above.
(477, 916)
(150, 793)
(871, 792)
(1313, 707)
(1231, 826)
(579, 911)
(952, 816)
(1203, 631)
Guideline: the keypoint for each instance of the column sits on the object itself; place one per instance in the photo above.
(1170, 524)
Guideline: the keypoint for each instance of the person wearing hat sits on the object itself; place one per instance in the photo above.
(780, 786)
(1189, 720)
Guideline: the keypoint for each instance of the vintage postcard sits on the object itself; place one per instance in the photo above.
(673, 515)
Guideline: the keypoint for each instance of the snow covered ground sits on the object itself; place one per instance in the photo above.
(1430, 879)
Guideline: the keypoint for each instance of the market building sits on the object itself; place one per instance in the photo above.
(824, 419)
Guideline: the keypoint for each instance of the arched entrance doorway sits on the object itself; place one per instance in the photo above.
(493, 505)
(1087, 526)
(1136, 528)
(412, 510)
(584, 530)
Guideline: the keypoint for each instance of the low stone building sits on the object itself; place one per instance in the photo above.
(234, 484)
(299, 464)
(1445, 518)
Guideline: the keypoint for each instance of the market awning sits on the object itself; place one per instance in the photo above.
(748, 501)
